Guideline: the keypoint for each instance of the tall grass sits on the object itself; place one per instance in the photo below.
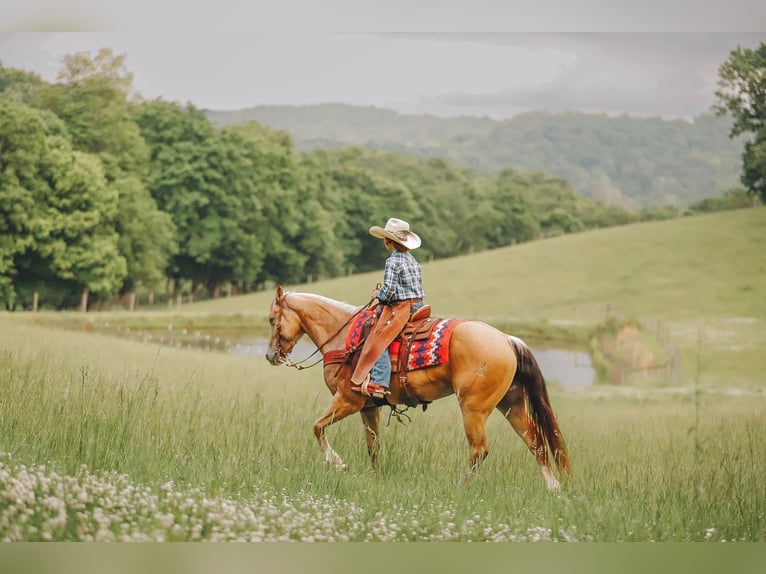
(164, 444)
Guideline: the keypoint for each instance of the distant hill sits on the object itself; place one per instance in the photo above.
(626, 161)
(336, 125)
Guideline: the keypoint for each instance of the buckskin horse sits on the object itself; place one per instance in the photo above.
(487, 369)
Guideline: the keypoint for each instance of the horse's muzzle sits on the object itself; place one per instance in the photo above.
(273, 357)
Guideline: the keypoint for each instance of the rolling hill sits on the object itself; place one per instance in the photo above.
(703, 266)
(627, 161)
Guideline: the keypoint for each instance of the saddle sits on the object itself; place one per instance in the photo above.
(421, 341)
(390, 323)
(417, 329)
(390, 332)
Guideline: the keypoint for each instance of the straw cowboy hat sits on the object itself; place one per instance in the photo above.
(399, 231)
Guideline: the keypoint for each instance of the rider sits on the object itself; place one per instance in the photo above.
(402, 281)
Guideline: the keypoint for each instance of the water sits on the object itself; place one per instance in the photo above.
(258, 348)
(568, 368)
(563, 366)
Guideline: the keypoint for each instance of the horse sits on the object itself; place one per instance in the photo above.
(487, 370)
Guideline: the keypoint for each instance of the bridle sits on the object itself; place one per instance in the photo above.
(284, 358)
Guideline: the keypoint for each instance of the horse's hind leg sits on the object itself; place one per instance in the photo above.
(475, 424)
(475, 427)
(476, 406)
(371, 420)
(514, 409)
(339, 408)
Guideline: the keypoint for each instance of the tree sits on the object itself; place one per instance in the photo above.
(736, 198)
(58, 212)
(560, 220)
(80, 217)
(176, 138)
(282, 200)
(206, 181)
(360, 192)
(146, 235)
(92, 99)
(18, 85)
(742, 94)
(510, 219)
(22, 149)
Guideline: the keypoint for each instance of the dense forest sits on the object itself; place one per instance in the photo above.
(104, 195)
(623, 161)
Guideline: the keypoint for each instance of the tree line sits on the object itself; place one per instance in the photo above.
(104, 195)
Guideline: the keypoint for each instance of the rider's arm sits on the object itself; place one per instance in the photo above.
(388, 288)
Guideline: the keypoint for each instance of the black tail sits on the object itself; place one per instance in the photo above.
(542, 425)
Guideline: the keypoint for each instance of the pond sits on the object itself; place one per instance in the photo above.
(563, 366)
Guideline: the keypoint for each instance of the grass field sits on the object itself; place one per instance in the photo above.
(112, 439)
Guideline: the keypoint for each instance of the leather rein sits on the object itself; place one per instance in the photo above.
(285, 357)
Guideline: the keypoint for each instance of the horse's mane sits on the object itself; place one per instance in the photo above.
(326, 301)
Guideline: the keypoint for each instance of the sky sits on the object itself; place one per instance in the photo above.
(466, 68)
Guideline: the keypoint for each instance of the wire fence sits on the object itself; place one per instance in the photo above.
(664, 365)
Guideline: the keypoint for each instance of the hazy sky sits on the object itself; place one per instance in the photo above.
(445, 73)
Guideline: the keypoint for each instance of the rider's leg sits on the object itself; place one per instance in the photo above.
(381, 370)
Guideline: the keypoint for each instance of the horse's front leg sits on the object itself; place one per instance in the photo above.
(371, 420)
(339, 408)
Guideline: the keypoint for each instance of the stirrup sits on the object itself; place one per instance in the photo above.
(372, 389)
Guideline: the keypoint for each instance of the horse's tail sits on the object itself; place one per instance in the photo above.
(542, 425)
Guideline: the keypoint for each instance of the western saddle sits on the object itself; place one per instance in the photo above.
(391, 328)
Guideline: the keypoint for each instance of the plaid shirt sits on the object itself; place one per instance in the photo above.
(402, 278)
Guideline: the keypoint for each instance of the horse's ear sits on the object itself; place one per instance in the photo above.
(280, 293)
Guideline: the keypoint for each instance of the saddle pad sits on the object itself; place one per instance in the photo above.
(435, 349)
(354, 334)
(426, 353)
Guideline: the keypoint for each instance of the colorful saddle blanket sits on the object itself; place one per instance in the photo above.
(428, 352)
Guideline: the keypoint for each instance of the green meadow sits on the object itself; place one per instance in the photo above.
(108, 435)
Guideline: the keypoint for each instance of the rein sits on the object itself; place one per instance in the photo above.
(286, 360)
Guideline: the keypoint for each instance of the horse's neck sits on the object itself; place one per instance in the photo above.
(322, 318)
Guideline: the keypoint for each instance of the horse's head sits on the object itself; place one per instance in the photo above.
(285, 328)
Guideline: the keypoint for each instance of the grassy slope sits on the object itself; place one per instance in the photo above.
(703, 266)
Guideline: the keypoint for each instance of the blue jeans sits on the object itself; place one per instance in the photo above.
(381, 370)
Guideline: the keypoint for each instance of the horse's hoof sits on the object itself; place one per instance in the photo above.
(554, 487)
